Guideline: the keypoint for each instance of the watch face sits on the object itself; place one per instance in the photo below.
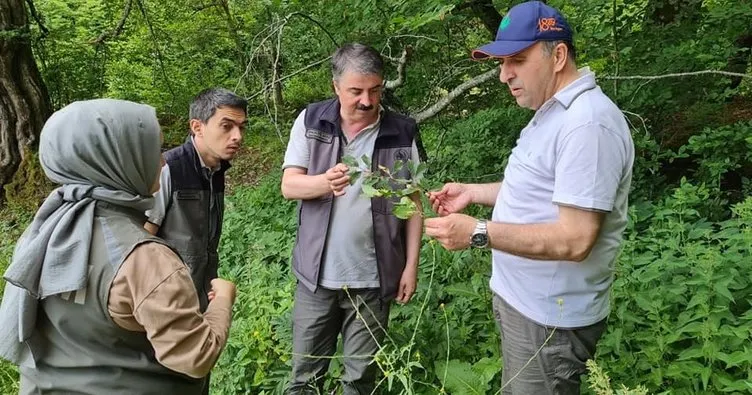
(479, 240)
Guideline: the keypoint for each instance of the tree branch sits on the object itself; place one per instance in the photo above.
(485, 11)
(267, 86)
(37, 18)
(118, 29)
(142, 8)
(460, 89)
(490, 74)
(317, 24)
(670, 75)
(200, 7)
(392, 84)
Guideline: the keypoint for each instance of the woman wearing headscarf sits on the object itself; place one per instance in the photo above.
(94, 304)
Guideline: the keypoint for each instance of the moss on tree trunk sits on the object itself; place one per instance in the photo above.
(24, 102)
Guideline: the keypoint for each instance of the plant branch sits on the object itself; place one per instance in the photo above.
(300, 14)
(671, 75)
(273, 28)
(460, 89)
(200, 7)
(118, 29)
(479, 79)
(392, 84)
(276, 28)
(142, 8)
(280, 79)
(37, 18)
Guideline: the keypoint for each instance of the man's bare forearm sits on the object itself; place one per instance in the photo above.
(304, 187)
(413, 233)
(484, 194)
(568, 240)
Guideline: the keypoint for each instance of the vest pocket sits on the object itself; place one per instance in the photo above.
(188, 195)
(382, 205)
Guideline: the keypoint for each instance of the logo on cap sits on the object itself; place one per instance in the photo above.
(505, 22)
(546, 24)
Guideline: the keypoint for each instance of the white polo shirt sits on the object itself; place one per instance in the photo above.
(576, 151)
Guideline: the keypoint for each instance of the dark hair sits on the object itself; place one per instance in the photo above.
(206, 103)
(360, 58)
(548, 47)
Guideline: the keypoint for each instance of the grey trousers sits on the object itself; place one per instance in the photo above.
(557, 367)
(318, 319)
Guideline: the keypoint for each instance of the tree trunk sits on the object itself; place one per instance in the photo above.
(739, 62)
(665, 12)
(232, 29)
(24, 101)
(486, 12)
(276, 74)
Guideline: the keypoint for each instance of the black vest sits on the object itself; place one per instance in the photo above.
(193, 218)
(394, 142)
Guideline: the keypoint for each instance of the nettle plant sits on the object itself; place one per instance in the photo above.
(396, 184)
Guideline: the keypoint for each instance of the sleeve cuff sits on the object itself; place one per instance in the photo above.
(584, 203)
(296, 165)
(155, 220)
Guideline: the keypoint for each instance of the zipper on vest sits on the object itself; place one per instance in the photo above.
(208, 215)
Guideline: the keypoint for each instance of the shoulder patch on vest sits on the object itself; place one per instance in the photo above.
(316, 134)
(401, 154)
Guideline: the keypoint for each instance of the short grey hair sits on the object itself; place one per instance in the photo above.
(362, 59)
(548, 48)
(206, 103)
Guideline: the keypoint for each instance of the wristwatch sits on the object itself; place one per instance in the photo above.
(479, 239)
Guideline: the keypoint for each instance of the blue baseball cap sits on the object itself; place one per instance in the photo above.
(524, 25)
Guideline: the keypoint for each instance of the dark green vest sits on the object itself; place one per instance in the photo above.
(78, 348)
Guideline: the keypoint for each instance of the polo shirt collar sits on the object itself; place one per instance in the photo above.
(569, 93)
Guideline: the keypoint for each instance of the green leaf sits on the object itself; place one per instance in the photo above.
(705, 375)
(729, 383)
(488, 368)
(722, 289)
(413, 168)
(460, 378)
(692, 353)
(736, 358)
(370, 191)
(462, 289)
(350, 161)
(366, 161)
(405, 209)
(692, 328)
(409, 190)
(682, 369)
(420, 172)
(397, 166)
(354, 176)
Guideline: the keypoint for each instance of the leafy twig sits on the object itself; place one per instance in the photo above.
(400, 182)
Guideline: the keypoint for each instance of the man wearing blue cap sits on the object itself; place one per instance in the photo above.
(559, 211)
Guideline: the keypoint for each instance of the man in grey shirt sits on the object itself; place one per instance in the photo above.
(559, 211)
(352, 256)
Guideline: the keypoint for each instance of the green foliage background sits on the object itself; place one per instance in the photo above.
(681, 317)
